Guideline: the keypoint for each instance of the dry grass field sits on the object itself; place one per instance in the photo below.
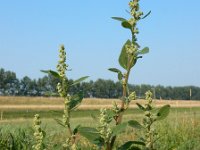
(52, 103)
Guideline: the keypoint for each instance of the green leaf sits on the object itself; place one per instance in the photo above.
(120, 75)
(143, 51)
(135, 124)
(53, 73)
(163, 112)
(140, 107)
(123, 58)
(76, 100)
(146, 15)
(59, 122)
(91, 134)
(111, 114)
(79, 80)
(126, 25)
(76, 129)
(114, 70)
(129, 145)
(120, 128)
(118, 18)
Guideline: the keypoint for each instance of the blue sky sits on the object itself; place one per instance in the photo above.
(31, 32)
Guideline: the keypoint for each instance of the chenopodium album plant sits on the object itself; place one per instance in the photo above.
(105, 135)
(130, 53)
(71, 102)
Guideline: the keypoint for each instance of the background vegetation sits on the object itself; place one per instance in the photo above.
(46, 86)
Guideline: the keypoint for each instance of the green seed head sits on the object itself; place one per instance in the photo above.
(132, 96)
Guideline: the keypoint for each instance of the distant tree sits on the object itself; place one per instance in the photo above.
(46, 86)
(43, 86)
(8, 83)
(26, 86)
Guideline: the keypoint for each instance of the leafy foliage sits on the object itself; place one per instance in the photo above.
(150, 117)
(163, 112)
(79, 80)
(131, 145)
(76, 100)
(92, 135)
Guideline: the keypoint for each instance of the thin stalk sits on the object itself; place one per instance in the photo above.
(69, 125)
(124, 94)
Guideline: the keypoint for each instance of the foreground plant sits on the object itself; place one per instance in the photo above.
(102, 135)
(39, 134)
(71, 102)
(130, 53)
(151, 116)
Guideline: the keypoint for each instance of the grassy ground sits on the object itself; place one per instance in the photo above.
(180, 131)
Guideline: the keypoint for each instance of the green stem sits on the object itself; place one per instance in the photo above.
(124, 94)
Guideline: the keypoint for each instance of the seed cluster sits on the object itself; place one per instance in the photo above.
(148, 121)
(38, 134)
(104, 128)
(136, 16)
(62, 88)
(61, 68)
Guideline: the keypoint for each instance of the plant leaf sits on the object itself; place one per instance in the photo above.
(76, 100)
(126, 25)
(111, 114)
(76, 129)
(53, 73)
(146, 15)
(140, 107)
(114, 70)
(163, 112)
(120, 75)
(129, 145)
(91, 134)
(143, 51)
(59, 122)
(119, 128)
(79, 80)
(135, 124)
(118, 18)
(123, 58)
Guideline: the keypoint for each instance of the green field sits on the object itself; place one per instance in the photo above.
(180, 131)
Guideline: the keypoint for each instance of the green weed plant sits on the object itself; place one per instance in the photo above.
(104, 136)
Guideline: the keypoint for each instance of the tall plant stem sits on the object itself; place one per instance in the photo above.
(124, 94)
(71, 135)
(70, 130)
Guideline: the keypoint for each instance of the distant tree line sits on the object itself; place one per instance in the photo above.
(46, 86)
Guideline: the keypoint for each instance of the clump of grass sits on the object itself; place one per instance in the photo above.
(19, 139)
